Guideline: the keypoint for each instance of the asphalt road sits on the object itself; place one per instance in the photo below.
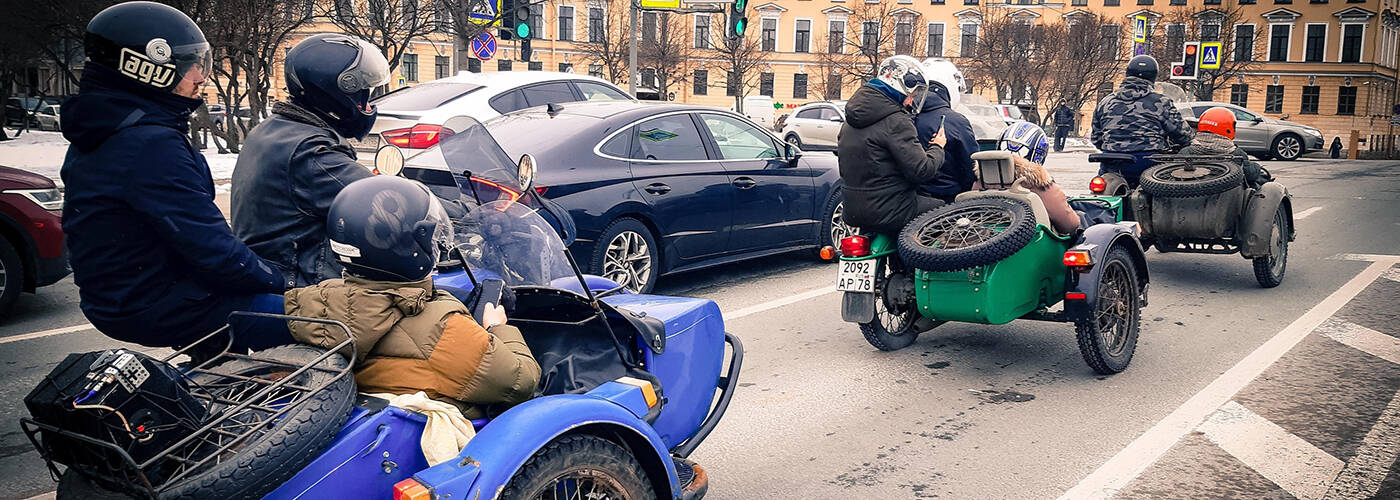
(1011, 411)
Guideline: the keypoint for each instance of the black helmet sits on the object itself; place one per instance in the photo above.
(332, 75)
(152, 43)
(1143, 66)
(387, 229)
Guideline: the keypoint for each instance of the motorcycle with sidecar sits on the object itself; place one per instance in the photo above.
(631, 385)
(993, 256)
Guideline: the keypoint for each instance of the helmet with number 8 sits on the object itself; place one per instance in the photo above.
(1026, 140)
(388, 229)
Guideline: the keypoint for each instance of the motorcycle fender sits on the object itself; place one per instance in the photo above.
(1114, 184)
(1256, 226)
(502, 447)
(1140, 210)
(1099, 240)
(857, 307)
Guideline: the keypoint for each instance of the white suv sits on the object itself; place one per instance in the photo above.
(411, 117)
(815, 125)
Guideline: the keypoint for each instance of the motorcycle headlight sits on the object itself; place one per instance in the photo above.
(48, 199)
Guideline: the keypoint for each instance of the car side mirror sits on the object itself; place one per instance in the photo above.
(792, 153)
(1258, 120)
(836, 119)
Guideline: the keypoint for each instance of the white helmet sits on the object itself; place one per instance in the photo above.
(944, 73)
(904, 74)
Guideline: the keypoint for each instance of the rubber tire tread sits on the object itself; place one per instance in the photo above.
(1087, 337)
(14, 275)
(831, 202)
(571, 450)
(1234, 177)
(1010, 241)
(600, 248)
(1262, 274)
(264, 464)
(794, 136)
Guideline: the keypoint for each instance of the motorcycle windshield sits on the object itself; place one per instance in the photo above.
(511, 241)
(483, 170)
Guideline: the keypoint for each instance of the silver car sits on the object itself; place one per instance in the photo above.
(815, 125)
(1263, 137)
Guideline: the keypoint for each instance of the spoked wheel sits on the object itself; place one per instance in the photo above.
(1191, 179)
(627, 254)
(1108, 337)
(1287, 147)
(967, 234)
(583, 467)
(1268, 270)
(892, 328)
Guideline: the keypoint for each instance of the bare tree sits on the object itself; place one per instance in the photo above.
(390, 25)
(606, 39)
(1084, 63)
(666, 49)
(822, 84)
(743, 58)
(465, 19)
(1015, 55)
(874, 31)
(1215, 24)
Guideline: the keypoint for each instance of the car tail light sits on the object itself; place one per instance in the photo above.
(421, 136)
(411, 489)
(1078, 259)
(855, 246)
(1097, 185)
(540, 190)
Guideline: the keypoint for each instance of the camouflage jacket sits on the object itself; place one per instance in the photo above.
(1135, 119)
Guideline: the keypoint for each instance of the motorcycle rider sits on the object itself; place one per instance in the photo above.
(293, 165)
(1137, 120)
(153, 259)
(1216, 137)
(409, 335)
(1064, 120)
(879, 154)
(957, 174)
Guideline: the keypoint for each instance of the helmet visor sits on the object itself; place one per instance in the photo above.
(369, 70)
(193, 57)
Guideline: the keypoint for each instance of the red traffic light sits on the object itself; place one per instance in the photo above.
(1178, 70)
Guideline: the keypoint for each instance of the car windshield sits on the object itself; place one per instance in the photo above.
(982, 110)
(424, 97)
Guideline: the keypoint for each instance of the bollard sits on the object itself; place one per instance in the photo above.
(1353, 142)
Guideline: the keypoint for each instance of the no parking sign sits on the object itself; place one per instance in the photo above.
(484, 46)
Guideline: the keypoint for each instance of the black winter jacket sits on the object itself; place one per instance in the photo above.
(882, 162)
(1064, 117)
(289, 171)
(956, 175)
(142, 228)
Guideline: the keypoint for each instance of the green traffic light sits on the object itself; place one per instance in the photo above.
(739, 27)
(739, 5)
(522, 30)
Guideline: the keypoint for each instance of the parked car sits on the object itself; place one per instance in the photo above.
(814, 125)
(1263, 137)
(759, 109)
(661, 188)
(1009, 112)
(987, 122)
(48, 116)
(32, 253)
(217, 113)
(412, 117)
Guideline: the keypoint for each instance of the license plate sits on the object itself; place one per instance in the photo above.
(856, 276)
(371, 143)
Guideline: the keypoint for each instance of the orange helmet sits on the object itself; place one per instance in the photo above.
(1218, 120)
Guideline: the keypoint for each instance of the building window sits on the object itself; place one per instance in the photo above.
(937, 2)
(1278, 42)
(968, 44)
(833, 87)
(1217, 2)
(1079, 3)
(1110, 3)
(1176, 38)
(765, 84)
(701, 82)
(595, 70)
(802, 40)
(1244, 42)
(1273, 99)
(1177, 2)
(535, 65)
(1239, 95)
(474, 65)
(869, 36)
(595, 25)
(537, 19)
(731, 84)
(1283, 2)
(836, 37)
(770, 34)
(566, 67)
(904, 36)
(1317, 1)
(935, 40)
(1351, 42)
(1346, 100)
(649, 27)
(1247, 2)
(969, 2)
(503, 64)
(442, 67)
(1311, 96)
(702, 31)
(1144, 2)
(799, 86)
(1111, 36)
(1210, 32)
(1315, 43)
(409, 67)
(566, 23)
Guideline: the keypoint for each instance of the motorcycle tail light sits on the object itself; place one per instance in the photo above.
(1078, 259)
(827, 253)
(411, 489)
(1098, 185)
(855, 246)
(1076, 296)
(421, 136)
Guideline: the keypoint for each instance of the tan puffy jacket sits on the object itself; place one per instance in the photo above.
(410, 337)
(1035, 178)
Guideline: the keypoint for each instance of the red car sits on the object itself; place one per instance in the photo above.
(31, 234)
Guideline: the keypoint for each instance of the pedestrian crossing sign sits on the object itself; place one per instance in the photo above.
(1140, 29)
(1210, 55)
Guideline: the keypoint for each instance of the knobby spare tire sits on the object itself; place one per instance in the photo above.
(1173, 180)
(967, 234)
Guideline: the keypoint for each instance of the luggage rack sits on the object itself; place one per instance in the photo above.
(240, 407)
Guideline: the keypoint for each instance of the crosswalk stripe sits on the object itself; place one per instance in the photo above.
(1362, 339)
(1297, 466)
(1364, 474)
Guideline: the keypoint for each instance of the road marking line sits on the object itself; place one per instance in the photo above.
(1362, 339)
(46, 333)
(1129, 462)
(1304, 214)
(755, 309)
(46, 496)
(1363, 475)
(1297, 466)
(1367, 257)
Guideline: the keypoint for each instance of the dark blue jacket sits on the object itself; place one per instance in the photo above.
(957, 173)
(144, 236)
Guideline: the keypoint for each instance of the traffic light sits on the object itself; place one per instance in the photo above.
(738, 19)
(507, 15)
(522, 28)
(1190, 62)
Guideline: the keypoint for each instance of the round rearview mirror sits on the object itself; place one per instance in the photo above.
(388, 160)
(526, 171)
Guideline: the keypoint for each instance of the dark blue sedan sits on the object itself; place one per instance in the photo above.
(662, 188)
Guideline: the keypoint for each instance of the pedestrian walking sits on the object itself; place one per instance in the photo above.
(1336, 150)
(1064, 121)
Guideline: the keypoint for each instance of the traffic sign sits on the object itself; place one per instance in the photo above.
(1210, 55)
(1139, 48)
(1140, 28)
(661, 4)
(484, 46)
(1190, 61)
(402, 81)
(488, 11)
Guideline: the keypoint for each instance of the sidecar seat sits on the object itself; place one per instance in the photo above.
(996, 171)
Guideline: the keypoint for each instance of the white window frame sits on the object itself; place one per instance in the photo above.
(1326, 33)
(709, 26)
(942, 39)
(777, 30)
(810, 25)
(1269, 56)
(845, 25)
(1342, 39)
(1234, 36)
(559, 25)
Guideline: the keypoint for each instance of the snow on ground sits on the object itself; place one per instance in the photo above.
(43, 152)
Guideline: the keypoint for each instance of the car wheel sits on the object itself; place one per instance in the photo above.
(11, 275)
(1108, 337)
(627, 254)
(794, 140)
(834, 226)
(1287, 147)
(580, 466)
